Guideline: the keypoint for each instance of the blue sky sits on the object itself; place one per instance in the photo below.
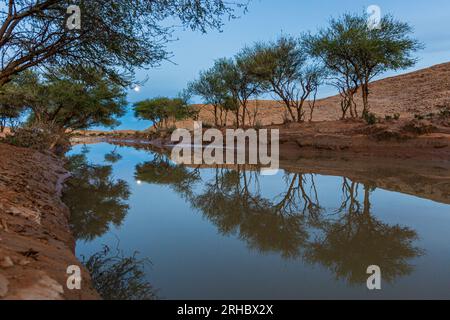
(267, 19)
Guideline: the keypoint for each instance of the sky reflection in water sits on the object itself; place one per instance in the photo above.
(217, 233)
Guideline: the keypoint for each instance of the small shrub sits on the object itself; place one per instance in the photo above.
(370, 118)
(444, 113)
(395, 116)
(38, 139)
(429, 116)
(418, 117)
(419, 127)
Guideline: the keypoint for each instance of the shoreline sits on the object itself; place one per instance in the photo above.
(407, 176)
(36, 243)
(404, 139)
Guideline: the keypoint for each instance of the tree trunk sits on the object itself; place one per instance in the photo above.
(288, 107)
(365, 96)
(216, 122)
(300, 111)
(2, 125)
(244, 111)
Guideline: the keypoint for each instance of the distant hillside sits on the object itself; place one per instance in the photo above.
(418, 92)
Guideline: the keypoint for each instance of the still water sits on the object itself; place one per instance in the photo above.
(231, 233)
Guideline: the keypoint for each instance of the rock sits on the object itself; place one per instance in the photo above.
(24, 262)
(4, 225)
(4, 283)
(45, 288)
(6, 262)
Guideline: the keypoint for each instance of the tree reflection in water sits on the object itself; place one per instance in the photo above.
(96, 201)
(355, 239)
(293, 223)
(118, 277)
(113, 156)
(94, 198)
(162, 171)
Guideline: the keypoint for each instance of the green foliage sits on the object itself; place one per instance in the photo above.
(63, 101)
(370, 118)
(37, 139)
(210, 86)
(113, 157)
(351, 50)
(66, 100)
(117, 36)
(284, 68)
(241, 84)
(10, 108)
(160, 110)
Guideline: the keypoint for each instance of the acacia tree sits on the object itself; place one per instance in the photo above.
(10, 108)
(211, 88)
(63, 101)
(240, 83)
(115, 35)
(162, 109)
(349, 44)
(347, 85)
(284, 68)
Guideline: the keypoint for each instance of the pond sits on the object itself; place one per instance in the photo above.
(309, 232)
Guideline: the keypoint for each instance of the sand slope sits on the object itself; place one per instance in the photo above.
(419, 92)
(36, 245)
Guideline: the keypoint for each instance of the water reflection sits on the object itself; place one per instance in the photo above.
(95, 199)
(233, 202)
(346, 240)
(294, 220)
(119, 277)
(113, 156)
(162, 171)
(355, 238)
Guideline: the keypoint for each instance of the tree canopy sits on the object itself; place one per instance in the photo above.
(352, 50)
(115, 36)
(160, 110)
(210, 87)
(65, 101)
(284, 68)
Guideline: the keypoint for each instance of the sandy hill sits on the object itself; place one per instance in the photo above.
(418, 92)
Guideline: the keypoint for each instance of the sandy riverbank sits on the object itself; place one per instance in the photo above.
(427, 140)
(36, 245)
